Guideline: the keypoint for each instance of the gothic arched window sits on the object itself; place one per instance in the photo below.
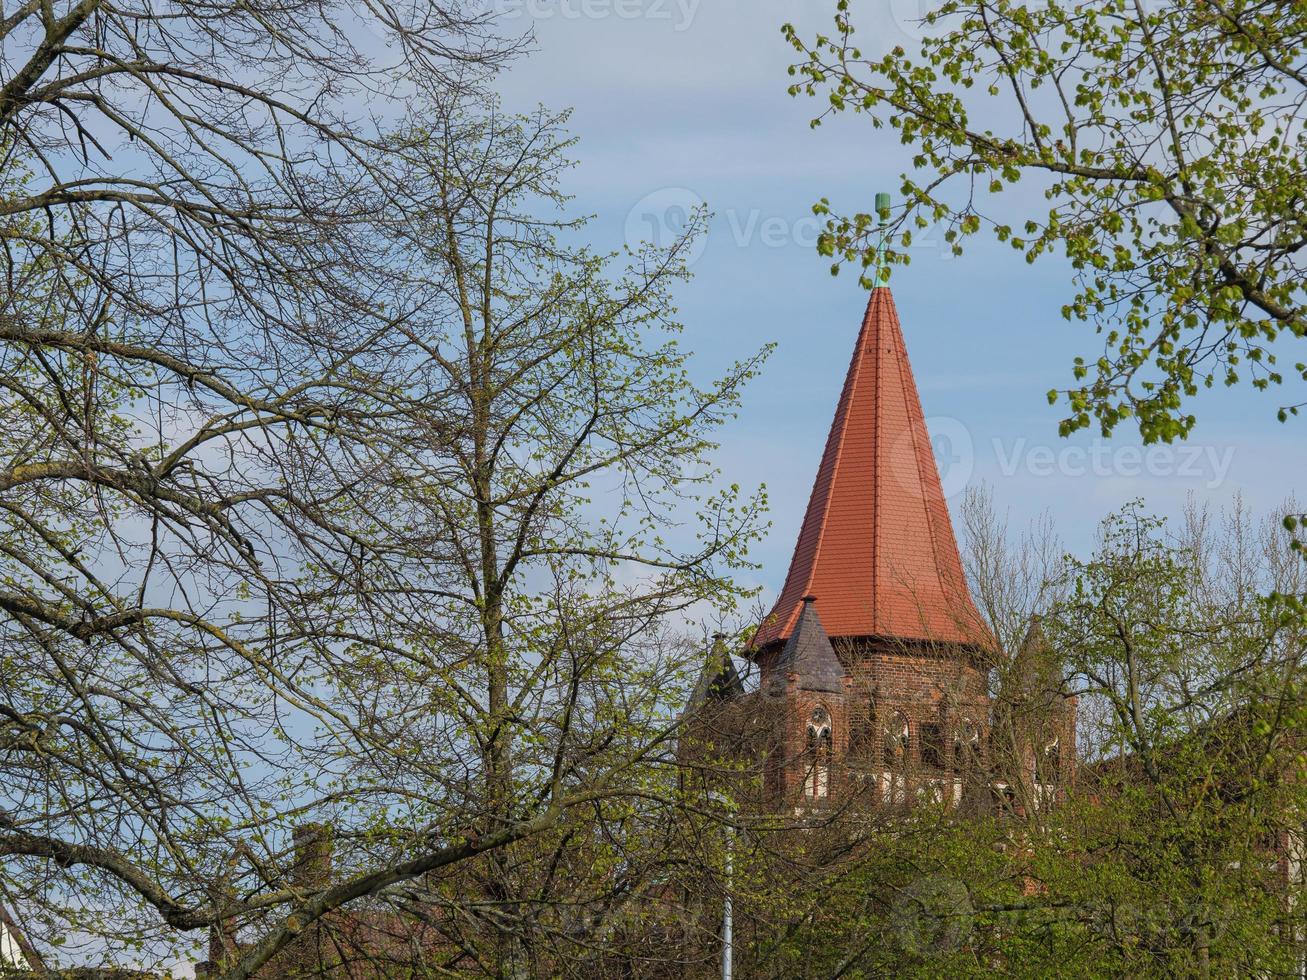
(819, 728)
(966, 747)
(897, 735)
(934, 754)
(897, 739)
(816, 786)
(862, 734)
(1048, 763)
(1048, 772)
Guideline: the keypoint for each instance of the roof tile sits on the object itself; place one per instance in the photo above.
(876, 542)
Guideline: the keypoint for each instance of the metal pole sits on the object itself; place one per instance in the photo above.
(727, 923)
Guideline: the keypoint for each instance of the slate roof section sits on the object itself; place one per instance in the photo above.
(718, 681)
(809, 654)
(876, 543)
(1036, 671)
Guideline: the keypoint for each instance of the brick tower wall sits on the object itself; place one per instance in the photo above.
(942, 686)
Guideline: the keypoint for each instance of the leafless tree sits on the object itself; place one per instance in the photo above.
(301, 415)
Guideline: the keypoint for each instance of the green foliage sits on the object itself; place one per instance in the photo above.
(1170, 852)
(1168, 139)
(415, 569)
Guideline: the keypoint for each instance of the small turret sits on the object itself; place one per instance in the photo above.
(718, 682)
(808, 655)
(1033, 741)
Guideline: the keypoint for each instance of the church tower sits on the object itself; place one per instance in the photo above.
(874, 658)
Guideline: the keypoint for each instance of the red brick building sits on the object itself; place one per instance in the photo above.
(875, 666)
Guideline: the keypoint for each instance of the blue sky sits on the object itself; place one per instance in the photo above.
(684, 100)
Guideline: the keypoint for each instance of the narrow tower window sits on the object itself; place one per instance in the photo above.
(897, 737)
(966, 747)
(1048, 767)
(1048, 772)
(816, 786)
(932, 745)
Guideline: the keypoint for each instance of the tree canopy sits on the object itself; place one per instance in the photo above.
(338, 491)
(1168, 139)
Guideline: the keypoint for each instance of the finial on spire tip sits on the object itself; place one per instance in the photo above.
(882, 214)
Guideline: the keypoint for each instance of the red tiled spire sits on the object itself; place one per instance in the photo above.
(877, 545)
